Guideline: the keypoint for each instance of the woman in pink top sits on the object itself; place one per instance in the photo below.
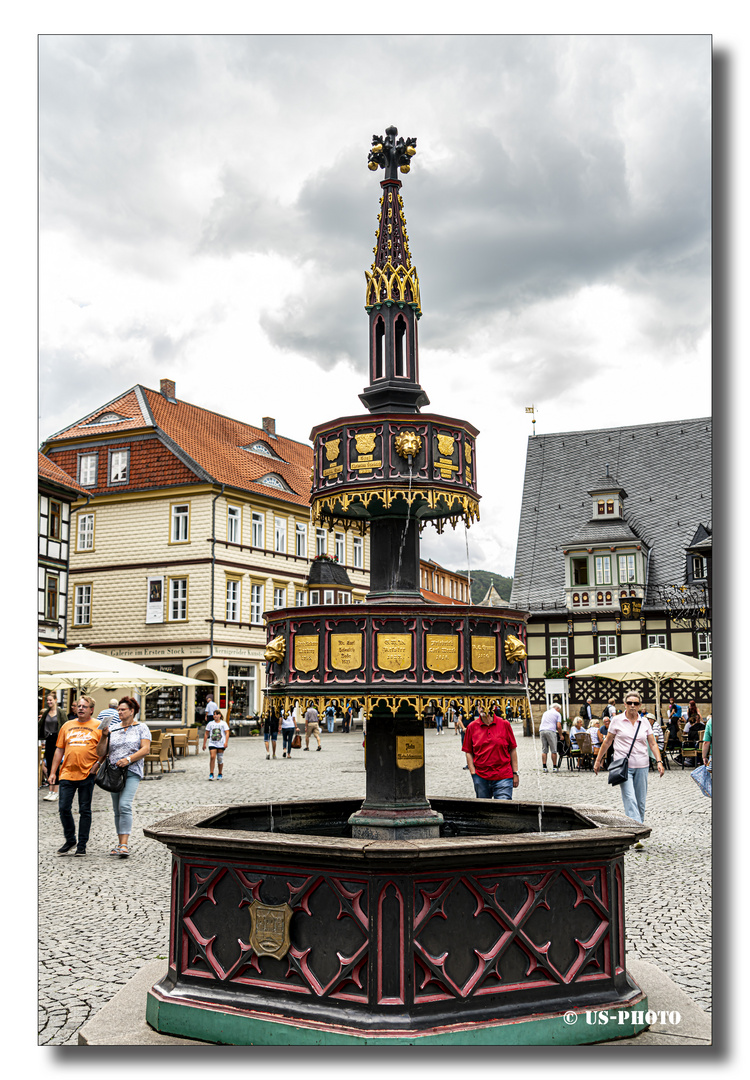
(622, 728)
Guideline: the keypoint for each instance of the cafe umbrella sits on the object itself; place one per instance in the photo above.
(82, 668)
(657, 664)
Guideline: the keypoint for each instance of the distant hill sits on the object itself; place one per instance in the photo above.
(481, 581)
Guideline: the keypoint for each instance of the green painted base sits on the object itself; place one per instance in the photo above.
(576, 1027)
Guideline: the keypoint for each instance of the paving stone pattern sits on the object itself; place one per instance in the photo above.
(102, 918)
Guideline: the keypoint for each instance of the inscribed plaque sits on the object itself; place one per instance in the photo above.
(483, 654)
(346, 651)
(409, 751)
(441, 652)
(394, 652)
(306, 652)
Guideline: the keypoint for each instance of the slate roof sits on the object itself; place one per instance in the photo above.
(49, 471)
(323, 572)
(596, 531)
(664, 467)
(209, 443)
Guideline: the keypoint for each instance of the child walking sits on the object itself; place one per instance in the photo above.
(217, 737)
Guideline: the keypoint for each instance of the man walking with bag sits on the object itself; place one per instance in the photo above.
(77, 741)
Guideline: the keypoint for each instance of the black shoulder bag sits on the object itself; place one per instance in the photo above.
(110, 777)
(618, 770)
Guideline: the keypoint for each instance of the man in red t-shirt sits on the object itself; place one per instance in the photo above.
(490, 748)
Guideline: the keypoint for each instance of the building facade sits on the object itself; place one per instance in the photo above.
(441, 585)
(194, 525)
(614, 551)
(55, 493)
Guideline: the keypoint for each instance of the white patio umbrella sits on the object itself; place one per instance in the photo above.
(81, 667)
(656, 664)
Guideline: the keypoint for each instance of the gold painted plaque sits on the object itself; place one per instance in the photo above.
(394, 652)
(332, 449)
(441, 652)
(445, 444)
(409, 751)
(467, 451)
(365, 443)
(483, 654)
(346, 651)
(269, 929)
(306, 652)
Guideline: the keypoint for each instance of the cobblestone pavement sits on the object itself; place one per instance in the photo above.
(101, 918)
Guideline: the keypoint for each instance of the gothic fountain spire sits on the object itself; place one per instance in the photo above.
(392, 294)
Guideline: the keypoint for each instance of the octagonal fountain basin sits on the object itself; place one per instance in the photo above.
(285, 929)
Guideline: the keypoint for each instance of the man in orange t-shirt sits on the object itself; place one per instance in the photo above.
(76, 749)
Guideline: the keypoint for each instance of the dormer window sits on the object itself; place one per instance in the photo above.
(273, 481)
(610, 506)
(600, 506)
(699, 569)
(260, 448)
(107, 418)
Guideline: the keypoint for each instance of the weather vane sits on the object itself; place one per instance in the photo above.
(531, 409)
(390, 153)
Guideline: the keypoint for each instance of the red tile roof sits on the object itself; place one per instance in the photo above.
(440, 599)
(49, 471)
(214, 442)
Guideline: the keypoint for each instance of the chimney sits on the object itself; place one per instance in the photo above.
(167, 388)
(269, 426)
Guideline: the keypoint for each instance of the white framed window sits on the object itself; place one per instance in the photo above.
(82, 606)
(299, 598)
(87, 468)
(180, 528)
(358, 552)
(328, 596)
(607, 646)
(343, 597)
(656, 641)
(603, 570)
(314, 596)
(178, 598)
(699, 569)
(256, 603)
(85, 533)
(279, 535)
(119, 463)
(233, 600)
(279, 598)
(321, 541)
(51, 595)
(627, 569)
(234, 525)
(704, 644)
(339, 547)
(258, 530)
(300, 540)
(558, 652)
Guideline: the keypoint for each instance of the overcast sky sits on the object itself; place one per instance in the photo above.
(207, 215)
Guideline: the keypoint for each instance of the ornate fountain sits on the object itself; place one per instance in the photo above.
(403, 918)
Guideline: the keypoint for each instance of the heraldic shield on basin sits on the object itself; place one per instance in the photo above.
(396, 918)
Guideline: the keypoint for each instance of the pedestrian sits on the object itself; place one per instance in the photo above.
(603, 729)
(271, 731)
(508, 711)
(631, 736)
(330, 715)
(490, 748)
(217, 737)
(288, 731)
(439, 718)
(125, 741)
(312, 726)
(76, 750)
(674, 716)
(706, 748)
(347, 718)
(587, 711)
(110, 713)
(550, 732)
(50, 723)
(210, 707)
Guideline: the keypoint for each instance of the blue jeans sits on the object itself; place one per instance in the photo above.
(85, 789)
(634, 793)
(329, 722)
(439, 721)
(287, 734)
(122, 804)
(493, 789)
